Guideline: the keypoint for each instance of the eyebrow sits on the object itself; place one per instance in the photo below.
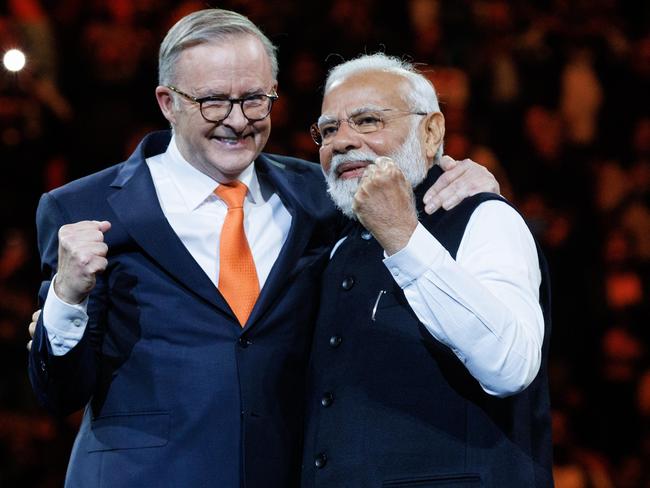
(324, 119)
(209, 94)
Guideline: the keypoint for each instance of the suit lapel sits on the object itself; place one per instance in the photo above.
(136, 205)
(287, 185)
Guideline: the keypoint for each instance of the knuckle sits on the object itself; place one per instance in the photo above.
(445, 179)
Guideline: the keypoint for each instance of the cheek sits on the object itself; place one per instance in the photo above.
(325, 156)
(383, 144)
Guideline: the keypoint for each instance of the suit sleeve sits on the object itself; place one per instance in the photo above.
(63, 384)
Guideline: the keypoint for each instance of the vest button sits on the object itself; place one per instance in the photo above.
(244, 342)
(327, 399)
(366, 236)
(320, 461)
(335, 341)
(347, 283)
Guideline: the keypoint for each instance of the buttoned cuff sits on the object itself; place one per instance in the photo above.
(423, 252)
(65, 323)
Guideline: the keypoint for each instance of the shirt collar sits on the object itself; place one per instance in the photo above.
(196, 187)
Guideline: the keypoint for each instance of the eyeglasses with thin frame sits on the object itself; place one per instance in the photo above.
(363, 122)
(215, 109)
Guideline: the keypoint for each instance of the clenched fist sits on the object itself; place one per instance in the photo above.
(385, 205)
(82, 254)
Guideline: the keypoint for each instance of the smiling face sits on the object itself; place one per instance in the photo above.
(233, 68)
(410, 140)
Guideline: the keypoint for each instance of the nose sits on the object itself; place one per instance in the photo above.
(236, 119)
(345, 139)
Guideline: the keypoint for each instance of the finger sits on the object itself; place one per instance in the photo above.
(434, 197)
(451, 201)
(29, 346)
(368, 174)
(32, 329)
(98, 265)
(433, 204)
(384, 162)
(86, 252)
(448, 198)
(36, 315)
(447, 163)
(85, 235)
(90, 263)
(478, 177)
(449, 195)
(87, 229)
(104, 226)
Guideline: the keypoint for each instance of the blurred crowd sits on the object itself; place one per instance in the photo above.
(549, 94)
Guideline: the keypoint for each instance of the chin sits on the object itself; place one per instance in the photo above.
(342, 194)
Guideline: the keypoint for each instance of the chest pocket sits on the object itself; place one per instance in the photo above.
(393, 318)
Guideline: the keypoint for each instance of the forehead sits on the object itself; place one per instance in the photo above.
(236, 63)
(366, 89)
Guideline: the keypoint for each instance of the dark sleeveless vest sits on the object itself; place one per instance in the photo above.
(390, 406)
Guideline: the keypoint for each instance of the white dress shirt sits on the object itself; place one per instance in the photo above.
(484, 305)
(196, 215)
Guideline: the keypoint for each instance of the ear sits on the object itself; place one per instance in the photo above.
(434, 133)
(165, 101)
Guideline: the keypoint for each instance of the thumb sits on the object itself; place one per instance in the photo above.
(104, 226)
(447, 163)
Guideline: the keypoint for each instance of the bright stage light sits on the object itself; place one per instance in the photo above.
(14, 60)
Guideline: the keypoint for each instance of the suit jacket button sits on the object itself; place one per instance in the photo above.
(335, 341)
(327, 399)
(320, 461)
(347, 283)
(244, 342)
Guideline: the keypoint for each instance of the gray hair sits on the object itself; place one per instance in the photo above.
(205, 26)
(421, 96)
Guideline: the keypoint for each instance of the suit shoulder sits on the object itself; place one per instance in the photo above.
(296, 165)
(88, 185)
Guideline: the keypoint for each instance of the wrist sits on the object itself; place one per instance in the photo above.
(397, 238)
(66, 295)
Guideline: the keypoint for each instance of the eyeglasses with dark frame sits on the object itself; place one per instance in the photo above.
(215, 109)
(364, 123)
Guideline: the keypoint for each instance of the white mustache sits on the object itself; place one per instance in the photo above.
(354, 155)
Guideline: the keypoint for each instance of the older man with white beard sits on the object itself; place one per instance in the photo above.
(428, 363)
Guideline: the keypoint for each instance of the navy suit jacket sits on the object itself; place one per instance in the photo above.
(176, 392)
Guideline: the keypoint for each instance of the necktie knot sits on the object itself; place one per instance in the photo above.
(232, 193)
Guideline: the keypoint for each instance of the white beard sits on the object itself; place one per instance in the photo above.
(408, 158)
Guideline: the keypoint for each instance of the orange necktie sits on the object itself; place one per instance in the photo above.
(238, 281)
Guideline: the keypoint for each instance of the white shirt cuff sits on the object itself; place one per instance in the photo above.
(423, 252)
(65, 323)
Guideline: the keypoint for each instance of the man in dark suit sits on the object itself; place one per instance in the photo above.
(428, 365)
(187, 350)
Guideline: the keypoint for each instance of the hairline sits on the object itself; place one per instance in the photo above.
(205, 27)
(421, 97)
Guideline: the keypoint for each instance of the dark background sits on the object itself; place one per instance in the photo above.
(551, 95)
